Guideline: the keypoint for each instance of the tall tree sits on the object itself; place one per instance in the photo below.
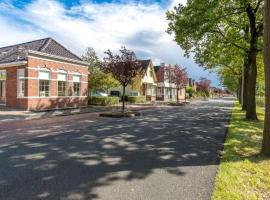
(266, 132)
(179, 78)
(201, 27)
(203, 87)
(98, 80)
(124, 67)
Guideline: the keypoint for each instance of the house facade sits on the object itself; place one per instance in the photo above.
(40, 75)
(166, 89)
(145, 85)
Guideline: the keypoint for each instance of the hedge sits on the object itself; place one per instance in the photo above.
(103, 101)
(137, 99)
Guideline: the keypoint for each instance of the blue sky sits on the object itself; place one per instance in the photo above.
(139, 25)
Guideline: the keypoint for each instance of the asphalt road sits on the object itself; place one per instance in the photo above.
(169, 153)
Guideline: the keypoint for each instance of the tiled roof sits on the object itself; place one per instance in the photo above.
(145, 63)
(156, 68)
(17, 52)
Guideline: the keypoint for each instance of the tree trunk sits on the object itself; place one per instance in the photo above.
(239, 91)
(177, 95)
(251, 86)
(124, 99)
(266, 133)
(245, 85)
(185, 94)
(252, 67)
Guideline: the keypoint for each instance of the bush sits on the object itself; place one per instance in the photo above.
(137, 99)
(103, 101)
(260, 101)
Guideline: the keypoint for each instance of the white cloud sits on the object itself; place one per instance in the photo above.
(103, 26)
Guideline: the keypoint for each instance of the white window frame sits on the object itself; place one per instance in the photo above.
(75, 81)
(20, 79)
(49, 79)
(62, 72)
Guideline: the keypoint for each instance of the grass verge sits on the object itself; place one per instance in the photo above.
(243, 174)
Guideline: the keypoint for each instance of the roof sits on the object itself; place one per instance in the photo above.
(156, 68)
(145, 63)
(18, 52)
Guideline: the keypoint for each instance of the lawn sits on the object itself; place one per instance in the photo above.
(243, 174)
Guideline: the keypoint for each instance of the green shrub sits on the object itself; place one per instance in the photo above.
(103, 101)
(137, 99)
(260, 101)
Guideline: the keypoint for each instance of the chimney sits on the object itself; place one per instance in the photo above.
(162, 64)
(21, 53)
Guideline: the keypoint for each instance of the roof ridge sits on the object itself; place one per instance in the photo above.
(23, 43)
(46, 44)
(65, 48)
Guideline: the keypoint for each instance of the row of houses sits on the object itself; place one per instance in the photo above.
(156, 84)
(43, 74)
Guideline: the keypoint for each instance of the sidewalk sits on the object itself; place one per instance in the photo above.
(8, 115)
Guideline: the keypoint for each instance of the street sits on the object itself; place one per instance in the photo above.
(168, 153)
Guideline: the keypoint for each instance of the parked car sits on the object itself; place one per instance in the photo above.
(98, 94)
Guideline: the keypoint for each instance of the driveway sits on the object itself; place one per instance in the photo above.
(169, 153)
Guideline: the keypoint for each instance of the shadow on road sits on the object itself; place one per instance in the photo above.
(74, 165)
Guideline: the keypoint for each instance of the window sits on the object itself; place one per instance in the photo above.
(159, 91)
(3, 75)
(44, 83)
(151, 73)
(149, 89)
(20, 82)
(62, 84)
(76, 85)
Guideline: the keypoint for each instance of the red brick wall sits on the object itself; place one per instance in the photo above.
(32, 101)
(11, 89)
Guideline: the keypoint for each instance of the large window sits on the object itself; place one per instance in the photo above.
(62, 84)
(76, 85)
(3, 75)
(20, 82)
(44, 83)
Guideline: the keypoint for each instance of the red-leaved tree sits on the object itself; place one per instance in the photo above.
(124, 67)
(203, 86)
(179, 78)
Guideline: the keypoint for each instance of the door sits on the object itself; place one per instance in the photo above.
(2, 87)
(2, 92)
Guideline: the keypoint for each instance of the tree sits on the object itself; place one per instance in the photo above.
(124, 67)
(98, 80)
(179, 78)
(190, 90)
(203, 87)
(266, 132)
(203, 27)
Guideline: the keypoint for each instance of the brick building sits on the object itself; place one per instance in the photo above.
(42, 74)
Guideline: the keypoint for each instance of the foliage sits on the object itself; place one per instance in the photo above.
(222, 34)
(190, 91)
(266, 55)
(260, 101)
(103, 101)
(136, 83)
(242, 173)
(203, 87)
(180, 77)
(124, 67)
(98, 80)
(136, 99)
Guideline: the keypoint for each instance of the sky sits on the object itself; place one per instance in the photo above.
(139, 25)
